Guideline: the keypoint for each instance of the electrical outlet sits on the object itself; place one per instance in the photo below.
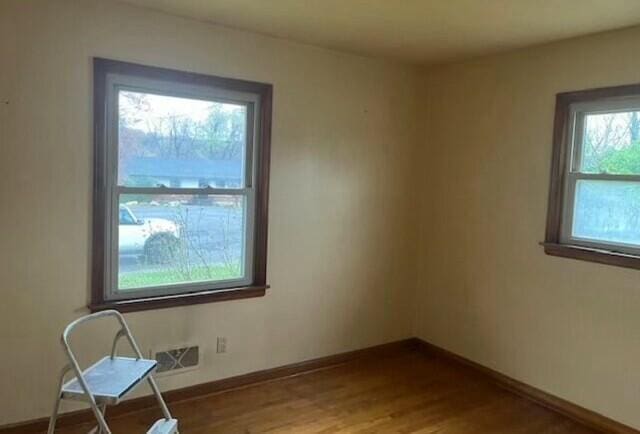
(221, 346)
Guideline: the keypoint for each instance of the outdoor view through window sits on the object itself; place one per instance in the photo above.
(169, 231)
(603, 185)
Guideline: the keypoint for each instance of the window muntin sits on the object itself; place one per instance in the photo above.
(181, 160)
(601, 207)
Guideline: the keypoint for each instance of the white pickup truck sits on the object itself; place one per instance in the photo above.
(155, 239)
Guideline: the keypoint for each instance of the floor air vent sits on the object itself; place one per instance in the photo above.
(177, 359)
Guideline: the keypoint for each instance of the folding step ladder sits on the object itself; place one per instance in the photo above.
(109, 380)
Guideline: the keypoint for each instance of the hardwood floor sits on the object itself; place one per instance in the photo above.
(406, 393)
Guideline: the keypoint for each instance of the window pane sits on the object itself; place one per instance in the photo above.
(171, 239)
(180, 142)
(607, 211)
(611, 143)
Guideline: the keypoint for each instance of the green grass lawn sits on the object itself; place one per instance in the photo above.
(146, 278)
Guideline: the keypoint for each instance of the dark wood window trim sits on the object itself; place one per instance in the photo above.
(200, 297)
(258, 286)
(560, 153)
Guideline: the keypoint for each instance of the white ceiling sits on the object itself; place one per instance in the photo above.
(417, 31)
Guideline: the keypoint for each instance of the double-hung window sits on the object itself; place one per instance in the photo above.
(181, 185)
(594, 205)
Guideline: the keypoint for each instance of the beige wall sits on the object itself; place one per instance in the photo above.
(487, 291)
(343, 135)
(348, 133)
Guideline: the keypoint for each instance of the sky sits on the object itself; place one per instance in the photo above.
(159, 107)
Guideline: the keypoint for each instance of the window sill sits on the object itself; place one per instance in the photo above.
(166, 301)
(600, 256)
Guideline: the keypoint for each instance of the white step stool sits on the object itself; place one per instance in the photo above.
(109, 380)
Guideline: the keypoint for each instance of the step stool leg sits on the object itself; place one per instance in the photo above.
(98, 429)
(79, 376)
(103, 410)
(56, 404)
(102, 423)
(156, 392)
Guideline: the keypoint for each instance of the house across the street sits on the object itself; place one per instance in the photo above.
(184, 173)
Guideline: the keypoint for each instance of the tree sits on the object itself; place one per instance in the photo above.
(624, 162)
(223, 133)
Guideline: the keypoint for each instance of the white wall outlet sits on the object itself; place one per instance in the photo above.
(221, 346)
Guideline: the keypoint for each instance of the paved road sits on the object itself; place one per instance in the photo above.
(209, 230)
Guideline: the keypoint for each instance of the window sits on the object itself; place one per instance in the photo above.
(594, 203)
(181, 185)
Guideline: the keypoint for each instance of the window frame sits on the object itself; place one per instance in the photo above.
(569, 118)
(251, 102)
(110, 77)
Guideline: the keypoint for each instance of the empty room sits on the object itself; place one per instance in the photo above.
(331, 216)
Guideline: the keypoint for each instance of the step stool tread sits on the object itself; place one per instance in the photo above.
(164, 426)
(110, 379)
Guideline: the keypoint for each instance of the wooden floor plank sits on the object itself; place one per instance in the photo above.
(408, 393)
